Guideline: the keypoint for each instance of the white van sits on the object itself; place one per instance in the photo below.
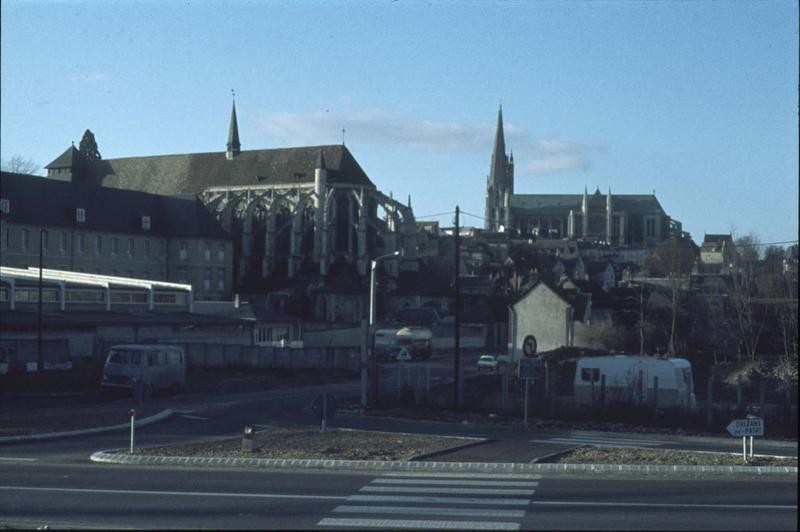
(159, 367)
(629, 379)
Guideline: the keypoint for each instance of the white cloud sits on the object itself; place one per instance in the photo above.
(534, 156)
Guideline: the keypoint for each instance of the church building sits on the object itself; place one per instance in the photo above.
(292, 212)
(621, 220)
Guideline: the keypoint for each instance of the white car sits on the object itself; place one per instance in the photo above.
(492, 363)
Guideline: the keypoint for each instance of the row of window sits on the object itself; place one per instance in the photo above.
(206, 248)
(130, 246)
(92, 296)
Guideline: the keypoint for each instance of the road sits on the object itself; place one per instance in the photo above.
(53, 483)
(91, 496)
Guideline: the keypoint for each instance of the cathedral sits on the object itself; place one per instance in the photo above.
(291, 212)
(622, 220)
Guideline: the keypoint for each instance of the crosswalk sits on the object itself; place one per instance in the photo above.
(445, 501)
(625, 443)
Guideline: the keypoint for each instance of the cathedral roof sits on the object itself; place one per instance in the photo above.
(192, 173)
(560, 204)
(39, 201)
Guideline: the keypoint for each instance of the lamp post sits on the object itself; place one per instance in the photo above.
(371, 340)
(39, 350)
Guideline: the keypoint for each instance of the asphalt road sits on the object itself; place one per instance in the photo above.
(90, 496)
(53, 483)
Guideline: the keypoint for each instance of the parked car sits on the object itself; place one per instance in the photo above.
(492, 363)
(155, 366)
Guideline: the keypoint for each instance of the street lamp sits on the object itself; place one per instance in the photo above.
(370, 332)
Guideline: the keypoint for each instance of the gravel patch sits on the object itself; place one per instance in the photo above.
(602, 455)
(308, 443)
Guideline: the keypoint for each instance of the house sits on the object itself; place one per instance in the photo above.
(717, 254)
(117, 233)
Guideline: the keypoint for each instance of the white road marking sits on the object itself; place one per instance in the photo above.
(502, 476)
(668, 505)
(175, 493)
(436, 500)
(187, 416)
(446, 491)
(12, 459)
(418, 523)
(422, 510)
(465, 482)
(604, 442)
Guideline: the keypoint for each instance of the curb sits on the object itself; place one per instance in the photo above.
(679, 438)
(117, 457)
(97, 430)
(476, 442)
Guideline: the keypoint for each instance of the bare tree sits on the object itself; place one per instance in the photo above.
(19, 165)
(674, 259)
(748, 321)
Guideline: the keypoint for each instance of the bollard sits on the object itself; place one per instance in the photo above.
(132, 413)
(247, 439)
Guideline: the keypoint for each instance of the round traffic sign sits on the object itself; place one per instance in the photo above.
(529, 346)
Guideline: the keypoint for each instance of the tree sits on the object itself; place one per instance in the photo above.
(674, 259)
(88, 147)
(19, 165)
(748, 318)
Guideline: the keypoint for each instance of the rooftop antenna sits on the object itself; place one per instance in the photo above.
(343, 131)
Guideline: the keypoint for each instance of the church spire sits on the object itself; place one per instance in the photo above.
(499, 152)
(233, 136)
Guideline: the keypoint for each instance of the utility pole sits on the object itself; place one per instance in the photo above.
(457, 321)
(39, 352)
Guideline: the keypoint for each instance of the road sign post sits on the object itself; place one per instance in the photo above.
(744, 428)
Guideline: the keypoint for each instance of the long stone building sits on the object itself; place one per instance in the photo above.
(619, 220)
(293, 212)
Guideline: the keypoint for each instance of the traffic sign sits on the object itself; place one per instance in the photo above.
(530, 368)
(529, 346)
(746, 427)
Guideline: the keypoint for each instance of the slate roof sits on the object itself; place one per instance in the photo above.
(577, 301)
(195, 172)
(560, 204)
(71, 158)
(36, 200)
(420, 283)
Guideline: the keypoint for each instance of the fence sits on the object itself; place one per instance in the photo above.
(268, 357)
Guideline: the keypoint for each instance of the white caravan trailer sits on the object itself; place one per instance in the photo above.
(629, 379)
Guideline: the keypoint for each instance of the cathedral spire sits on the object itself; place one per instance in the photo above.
(234, 147)
(499, 152)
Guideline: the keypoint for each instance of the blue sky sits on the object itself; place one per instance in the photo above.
(695, 100)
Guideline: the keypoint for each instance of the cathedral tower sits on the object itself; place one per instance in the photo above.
(500, 184)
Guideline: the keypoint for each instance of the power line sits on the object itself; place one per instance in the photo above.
(473, 215)
(434, 215)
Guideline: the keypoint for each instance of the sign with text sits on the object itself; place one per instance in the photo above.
(530, 368)
(746, 427)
